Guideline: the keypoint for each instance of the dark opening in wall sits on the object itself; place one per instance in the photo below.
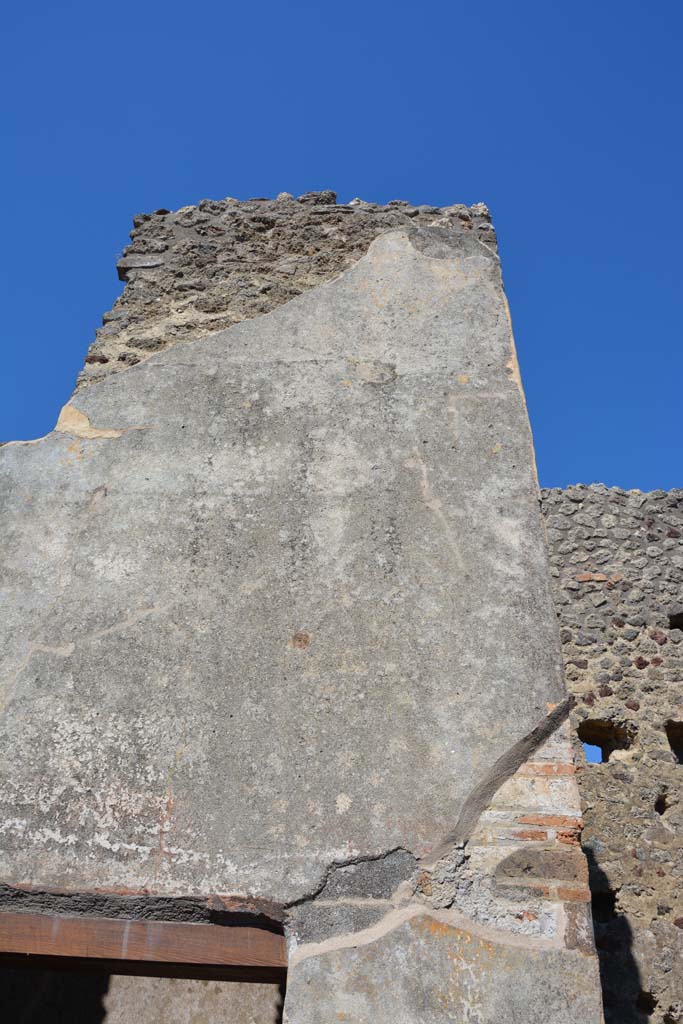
(674, 734)
(661, 804)
(676, 620)
(607, 736)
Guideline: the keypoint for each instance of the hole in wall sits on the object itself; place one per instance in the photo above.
(676, 620)
(602, 737)
(661, 804)
(593, 753)
(674, 734)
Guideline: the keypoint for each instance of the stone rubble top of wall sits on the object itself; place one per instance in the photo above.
(580, 492)
(204, 268)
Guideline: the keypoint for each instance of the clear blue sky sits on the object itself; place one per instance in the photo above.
(565, 118)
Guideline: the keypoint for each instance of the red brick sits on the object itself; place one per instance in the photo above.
(550, 820)
(570, 836)
(574, 895)
(543, 768)
(527, 915)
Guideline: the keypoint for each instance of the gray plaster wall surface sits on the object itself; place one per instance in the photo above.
(179, 1001)
(617, 569)
(279, 625)
(429, 971)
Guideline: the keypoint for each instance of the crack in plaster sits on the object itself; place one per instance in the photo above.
(339, 864)
(506, 765)
(397, 917)
(62, 650)
(130, 620)
(449, 857)
(67, 649)
(434, 504)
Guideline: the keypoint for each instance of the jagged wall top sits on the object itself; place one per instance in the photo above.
(204, 268)
(279, 623)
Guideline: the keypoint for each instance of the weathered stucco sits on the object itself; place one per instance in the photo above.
(279, 625)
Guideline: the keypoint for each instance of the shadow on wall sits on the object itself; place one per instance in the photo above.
(69, 997)
(624, 1000)
(52, 997)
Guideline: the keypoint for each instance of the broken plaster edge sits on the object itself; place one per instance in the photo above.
(397, 917)
(75, 423)
(503, 769)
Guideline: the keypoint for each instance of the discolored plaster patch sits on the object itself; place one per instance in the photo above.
(73, 421)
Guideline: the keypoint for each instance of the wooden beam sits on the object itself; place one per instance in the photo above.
(156, 948)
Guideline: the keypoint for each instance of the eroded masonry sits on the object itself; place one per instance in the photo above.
(283, 684)
(617, 570)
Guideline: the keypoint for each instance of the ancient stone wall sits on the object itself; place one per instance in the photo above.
(203, 268)
(253, 649)
(617, 569)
